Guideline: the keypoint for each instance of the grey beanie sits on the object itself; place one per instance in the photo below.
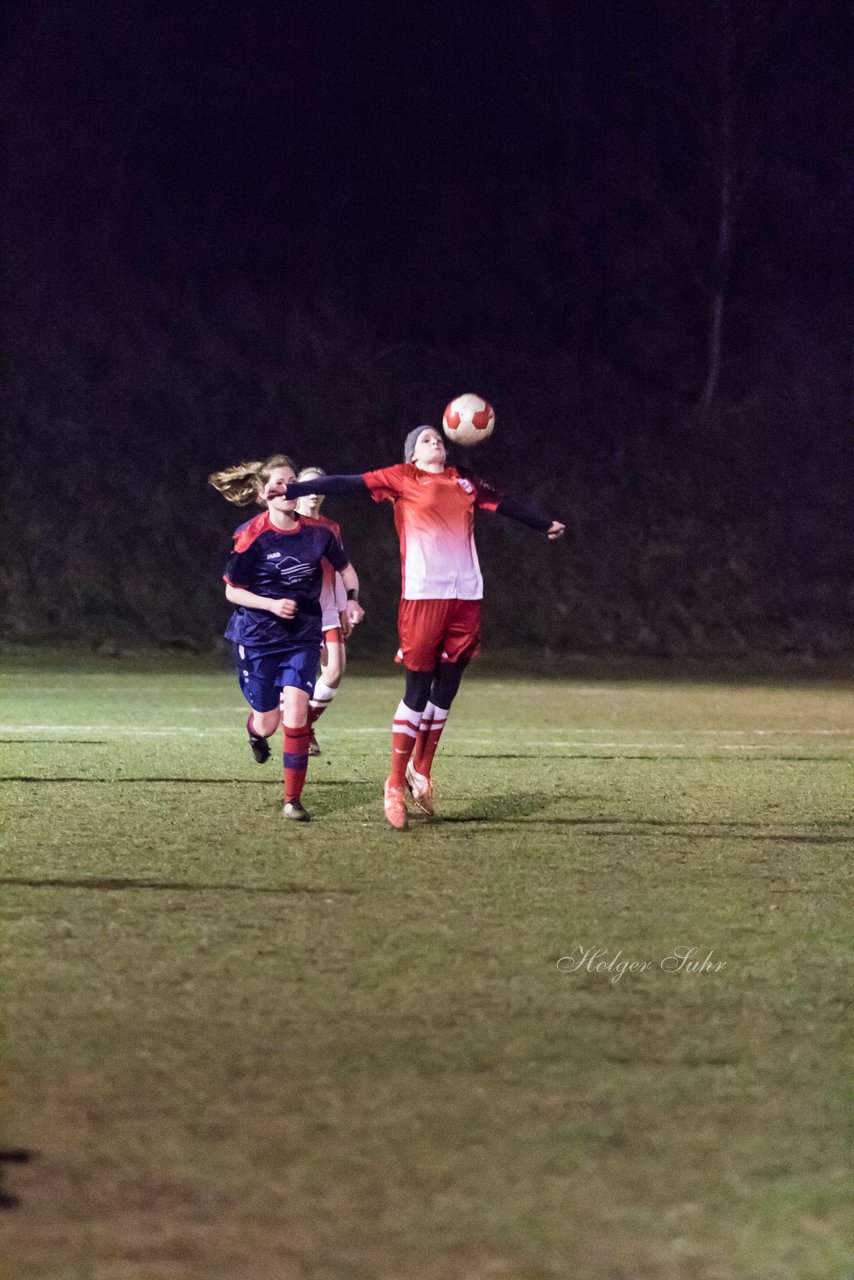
(412, 439)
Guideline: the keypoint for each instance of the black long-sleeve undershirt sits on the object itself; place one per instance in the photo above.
(517, 509)
(513, 508)
(325, 485)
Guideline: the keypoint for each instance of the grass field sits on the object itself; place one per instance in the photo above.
(240, 1050)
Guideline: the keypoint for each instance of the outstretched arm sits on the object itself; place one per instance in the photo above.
(326, 484)
(516, 509)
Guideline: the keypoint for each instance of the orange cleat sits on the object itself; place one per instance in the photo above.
(420, 787)
(395, 806)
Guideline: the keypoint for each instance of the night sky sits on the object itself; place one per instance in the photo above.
(429, 168)
(522, 200)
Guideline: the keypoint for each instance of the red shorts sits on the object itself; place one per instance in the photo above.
(332, 635)
(434, 631)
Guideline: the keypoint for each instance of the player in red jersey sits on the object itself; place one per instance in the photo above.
(441, 592)
(273, 578)
(336, 624)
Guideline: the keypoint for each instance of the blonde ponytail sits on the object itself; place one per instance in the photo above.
(243, 484)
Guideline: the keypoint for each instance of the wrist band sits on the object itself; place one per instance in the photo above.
(353, 594)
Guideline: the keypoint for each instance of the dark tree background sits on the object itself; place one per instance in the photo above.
(229, 230)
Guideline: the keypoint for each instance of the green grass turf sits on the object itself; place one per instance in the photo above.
(244, 1049)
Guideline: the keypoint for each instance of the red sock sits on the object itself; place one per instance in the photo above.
(423, 729)
(295, 760)
(433, 720)
(403, 733)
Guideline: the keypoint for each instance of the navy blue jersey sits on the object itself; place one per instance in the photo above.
(277, 564)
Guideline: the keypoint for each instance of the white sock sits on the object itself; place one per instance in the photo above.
(322, 696)
(427, 716)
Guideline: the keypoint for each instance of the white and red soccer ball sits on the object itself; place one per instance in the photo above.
(468, 420)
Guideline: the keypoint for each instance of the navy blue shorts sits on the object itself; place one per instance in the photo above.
(263, 675)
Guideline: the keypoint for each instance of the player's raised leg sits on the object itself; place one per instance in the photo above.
(258, 744)
(257, 676)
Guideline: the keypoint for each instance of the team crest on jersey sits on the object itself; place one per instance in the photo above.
(293, 570)
(465, 484)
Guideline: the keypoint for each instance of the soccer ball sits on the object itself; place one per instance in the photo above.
(468, 420)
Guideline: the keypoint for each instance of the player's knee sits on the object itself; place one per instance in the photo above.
(417, 689)
(446, 683)
(265, 723)
(294, 707)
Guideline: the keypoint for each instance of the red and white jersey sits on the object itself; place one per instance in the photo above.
(434, 517)
(333, 596)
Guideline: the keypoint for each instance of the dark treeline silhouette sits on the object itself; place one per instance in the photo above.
(631, 236)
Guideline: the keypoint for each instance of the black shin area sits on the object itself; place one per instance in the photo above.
(446, 682)
(417, 693)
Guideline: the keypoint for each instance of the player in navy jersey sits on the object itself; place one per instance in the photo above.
(441, 591)
(273, 578)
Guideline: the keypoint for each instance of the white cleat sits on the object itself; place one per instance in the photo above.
(294, 811)
(420, 787)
